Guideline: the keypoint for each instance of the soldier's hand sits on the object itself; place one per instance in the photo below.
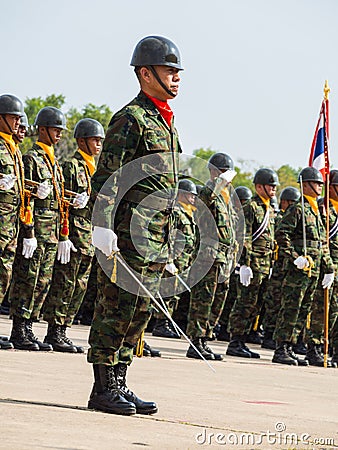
(29, 247)
(81, 200)
(43, 190)
(7, 182)
(245, 275)
(228, 176)
(64, 249)
(105, 240)
(328, 280)
(171, 268)
(301, 262)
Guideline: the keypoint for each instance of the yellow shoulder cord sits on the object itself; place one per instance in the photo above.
(276, 251)
(88, 178)
(63, 203)
(310, 266)
(140, 346)
(20, 176)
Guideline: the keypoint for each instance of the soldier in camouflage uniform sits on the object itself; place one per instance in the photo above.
(314, 335)
(39, 239)
(70, 280)
(255, 261)
(11, 191)
(142, 132)
(273, 292)
(301, 265)
(208, 295)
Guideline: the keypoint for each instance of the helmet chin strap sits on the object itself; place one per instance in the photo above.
(8, 126)
(268, 195)
(160, 82)
(311, 186)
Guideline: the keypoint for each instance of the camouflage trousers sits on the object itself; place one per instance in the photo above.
(247, 305)
(67, 290)
(315, 332)
(230, 300)
(8, 243)
(297, 296)
(88, 303)
(121, 313)
(271, 297)
(207, 300)
(31, 280)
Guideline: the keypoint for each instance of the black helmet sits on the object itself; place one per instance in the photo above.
(188, 186)
(9, 104)
(156, 51)
(24, 121)
(220, 161)
(310, 174)
(243, 192)
(334, 176)
(49, 116)
(290, 193)
(88, 128)
(266, 176)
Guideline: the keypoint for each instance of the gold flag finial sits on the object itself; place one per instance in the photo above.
(326, 90)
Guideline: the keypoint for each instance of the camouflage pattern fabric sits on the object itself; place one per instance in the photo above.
(70, 280)
(9, 210)
(298, 288)
(230, 300)
(135, 131)
(32, 277)
(257, 254)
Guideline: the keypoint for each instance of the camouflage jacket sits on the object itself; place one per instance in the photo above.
(7, 168)
(184, 238)
(216, 224)
(76, 176)
(258, 253)
(46, 220)
(138, 134)
(333, 226)
(289, 236)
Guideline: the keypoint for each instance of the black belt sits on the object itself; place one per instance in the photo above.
(47, 203)
(150, 201)
(311, 244)
(7, 197)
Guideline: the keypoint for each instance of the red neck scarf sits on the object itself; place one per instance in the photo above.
(163, 107)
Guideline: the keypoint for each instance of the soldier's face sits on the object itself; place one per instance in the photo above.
(12, 125)
(21, 134)
(94, 145)
(169, 77)
(312, 188)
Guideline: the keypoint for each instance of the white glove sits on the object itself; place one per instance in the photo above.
(80, 200)
(245, 273)
(64, 248)
(228, 176)
(328, 280)
(105, 240)
(43, 190)
(171, 268)
(7, 182)
(29, 247)
(301, 262)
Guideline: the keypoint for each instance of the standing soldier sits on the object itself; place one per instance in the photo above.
(315, 333)
(301, 241)
(11, 191)
(255, 262)
(273, 291)
(209, 294)
(20, 135)
(39, 239)
(143, 132)
(70, 280)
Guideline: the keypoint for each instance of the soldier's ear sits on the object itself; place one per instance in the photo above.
(145, 74)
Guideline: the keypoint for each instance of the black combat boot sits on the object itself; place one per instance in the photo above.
(19, 338)
(236, 347)
(31, 336)
(268, 341)
(223, 334)
(5, 344)
(301, 362)
(254, 337)
(154, 352)
(142, 407)
(192, 353)
(299, 348)
(281, 355)
(79, 348)
(106, 395)
(162, 328)
(217, 356)
(314, 355)
(54, 338)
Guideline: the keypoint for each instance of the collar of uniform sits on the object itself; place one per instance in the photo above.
(334, 203)
(313, 203)
(148, 104)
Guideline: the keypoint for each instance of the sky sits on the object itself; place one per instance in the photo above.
(254, 69)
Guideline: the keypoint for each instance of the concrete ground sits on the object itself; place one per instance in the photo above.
(244, 404)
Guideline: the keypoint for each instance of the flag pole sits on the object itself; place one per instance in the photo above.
(327, 207)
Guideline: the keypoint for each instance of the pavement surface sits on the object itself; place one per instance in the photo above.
(244, 404)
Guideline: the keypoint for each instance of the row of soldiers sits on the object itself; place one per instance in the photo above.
(46, 250)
